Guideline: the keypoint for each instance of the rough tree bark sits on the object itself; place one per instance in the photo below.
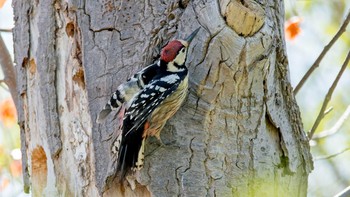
(239, 132)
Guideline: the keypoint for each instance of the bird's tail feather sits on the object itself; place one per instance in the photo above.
(130, 155)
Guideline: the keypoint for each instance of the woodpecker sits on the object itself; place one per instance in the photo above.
(148, 99)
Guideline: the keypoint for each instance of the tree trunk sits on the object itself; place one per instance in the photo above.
(239, 132)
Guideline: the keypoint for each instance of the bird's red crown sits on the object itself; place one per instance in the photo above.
(170, 51)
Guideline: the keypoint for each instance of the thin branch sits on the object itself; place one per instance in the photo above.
(333, 155)
(344, 193)
(329, 96)
(341, 30)
(8, 70)
(336, 127)
(6, 30)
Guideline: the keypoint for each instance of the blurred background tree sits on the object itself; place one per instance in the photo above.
(319, 21)
(310, 25)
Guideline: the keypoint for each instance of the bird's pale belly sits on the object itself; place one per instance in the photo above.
(166, 110)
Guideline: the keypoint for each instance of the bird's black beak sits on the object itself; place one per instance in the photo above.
(193, 34)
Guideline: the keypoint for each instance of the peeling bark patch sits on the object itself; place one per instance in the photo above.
(39, 160)
(79, 78)
(32, 66)
(39, 170)
(244, 17)
(70, 29)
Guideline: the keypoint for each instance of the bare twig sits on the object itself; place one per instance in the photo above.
(328, 111)
(344, 193)
(341, 30)
(335, 128)
(8, 69)
(6, 30)
(4, 86)
(333, 155)
(329, 96)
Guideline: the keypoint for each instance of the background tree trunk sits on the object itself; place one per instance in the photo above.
(239, 132)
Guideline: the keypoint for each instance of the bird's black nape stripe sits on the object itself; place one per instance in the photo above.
(163, 65)
(178, 66)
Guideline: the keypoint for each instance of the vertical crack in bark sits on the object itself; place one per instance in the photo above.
(56, 60)
(178, 181)
(196, 108)
(191, 156)
(207, 170)
(239, 74)
(239, 142)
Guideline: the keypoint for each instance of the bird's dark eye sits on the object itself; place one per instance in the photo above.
(183, 50)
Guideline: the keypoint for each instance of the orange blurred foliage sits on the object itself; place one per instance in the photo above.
(2, 2)
(16, 168)
(4, 183)
(8, 114)
(292, 27)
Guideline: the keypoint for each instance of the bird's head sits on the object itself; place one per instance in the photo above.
(175, 52)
